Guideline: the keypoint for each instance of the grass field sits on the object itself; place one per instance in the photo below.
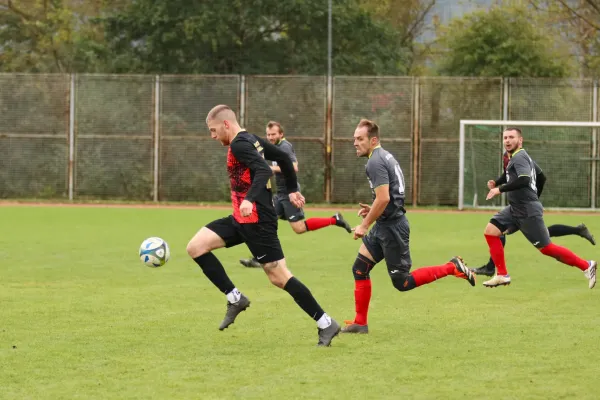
(82, 318)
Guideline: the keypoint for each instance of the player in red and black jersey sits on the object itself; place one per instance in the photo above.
(489, 269)
(253, 221)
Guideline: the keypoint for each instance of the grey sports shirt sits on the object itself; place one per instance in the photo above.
(286, 147)
(524, 202)
(383, 169)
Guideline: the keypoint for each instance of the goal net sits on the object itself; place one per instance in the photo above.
(567, 152)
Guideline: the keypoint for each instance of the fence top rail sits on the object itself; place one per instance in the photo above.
(530, 123)
(194, 76)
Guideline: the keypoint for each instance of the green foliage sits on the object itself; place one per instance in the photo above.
(577, 23)
(498, 42)
(249, 37)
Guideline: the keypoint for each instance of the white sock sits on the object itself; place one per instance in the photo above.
(234, 296)
(324, 321)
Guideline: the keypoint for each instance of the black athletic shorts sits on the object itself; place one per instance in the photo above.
(533, 228)
(261, 238)
(286, 210)
(390, 241)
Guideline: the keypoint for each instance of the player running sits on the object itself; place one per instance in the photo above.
(253, 222)
(284, 208)
(389, 238)
(556, 230)
(524, 212)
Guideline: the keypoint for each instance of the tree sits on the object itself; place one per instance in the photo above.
(499, 42)
(408, 18)
(250, 37)
(578, 22)
(51, 35)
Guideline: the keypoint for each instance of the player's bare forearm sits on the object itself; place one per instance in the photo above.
(377, 208)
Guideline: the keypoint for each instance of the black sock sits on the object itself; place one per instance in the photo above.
(490, 263)
(304, 298)
(213, 269)
(562, 230)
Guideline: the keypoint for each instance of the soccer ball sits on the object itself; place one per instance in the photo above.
(154, 252)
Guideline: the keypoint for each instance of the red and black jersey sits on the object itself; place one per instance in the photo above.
(505, 160)
(249, 176)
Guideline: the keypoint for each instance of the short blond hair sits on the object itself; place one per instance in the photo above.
(222, 112)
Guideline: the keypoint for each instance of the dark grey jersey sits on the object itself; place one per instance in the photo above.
(383, 169)
(524, 202)
(286, 147)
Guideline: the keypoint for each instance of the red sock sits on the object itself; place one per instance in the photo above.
(497, 253)
(362, 297)
(425, 275)
(312, 224)
(565, 256)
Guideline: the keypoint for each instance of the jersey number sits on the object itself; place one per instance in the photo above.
(532, 183)
(400, 178)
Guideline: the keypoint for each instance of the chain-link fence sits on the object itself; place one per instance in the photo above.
(114, 136)
(563, 153)
(145, 137)
(34, 136)
(443, 103)
(298, 103)
(191, 164)
(389, 102)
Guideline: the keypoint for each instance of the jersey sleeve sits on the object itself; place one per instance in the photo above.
(522, 166)
(288, 149)
(378, 173)
(246, 153)
(284, 162)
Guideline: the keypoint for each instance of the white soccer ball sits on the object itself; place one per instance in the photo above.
(154, 252)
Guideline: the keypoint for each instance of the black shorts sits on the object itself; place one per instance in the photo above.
(533, 228)
(286, 210)
(261, 238)
(390, 241)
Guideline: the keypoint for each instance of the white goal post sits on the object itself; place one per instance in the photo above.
(480, 153)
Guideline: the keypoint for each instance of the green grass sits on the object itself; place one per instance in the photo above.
(82, 318)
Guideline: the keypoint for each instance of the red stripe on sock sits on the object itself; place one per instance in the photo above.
(497, 253)
(362, 297)
(425, 275)
(313, 224)
(565, 256)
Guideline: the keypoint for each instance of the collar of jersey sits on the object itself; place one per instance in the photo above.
(243, 130)
(278, 143)
(376, 147)
(513, 154)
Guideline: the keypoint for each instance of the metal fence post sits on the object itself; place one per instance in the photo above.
(594, 143)
(505, 111)
(71, 164)
(156, 136)
(416, 138)
(242, 100)
(328, 138)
